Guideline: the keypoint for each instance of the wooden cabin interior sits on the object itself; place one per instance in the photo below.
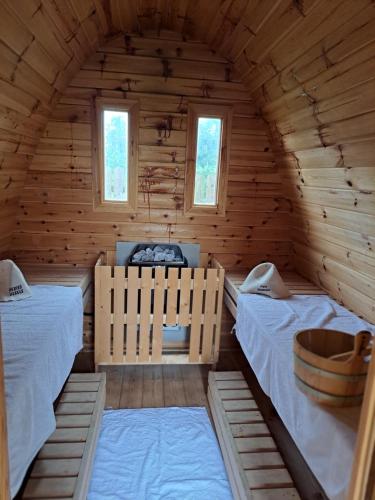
(239, 133)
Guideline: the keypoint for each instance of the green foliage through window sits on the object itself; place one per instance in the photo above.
(116, 155)
(207, 160)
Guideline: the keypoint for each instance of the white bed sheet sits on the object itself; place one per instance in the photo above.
(41, 336)
(265, 329)
(158, 454)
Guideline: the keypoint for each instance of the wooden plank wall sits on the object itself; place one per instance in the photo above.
(57, 222)
(310, 68)
(318, 97)
(42, 44)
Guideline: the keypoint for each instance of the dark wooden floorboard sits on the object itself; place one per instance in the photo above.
(153, 387)
(132, 385)
(174, 394)
(114, 386)
(195, 385)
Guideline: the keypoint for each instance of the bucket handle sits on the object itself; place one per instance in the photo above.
(361, 348)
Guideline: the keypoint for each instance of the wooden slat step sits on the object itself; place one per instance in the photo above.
(239, 404)
(232, 384)
(66, 467)
(244, 417)
(228, 376)
(53, 487)
(85, 377)
(249, 430)
(73, 421)
(275, 494)
(268, 478)
(62, 468)
(262, 460)
(255, 468)
(82, 387)
(75, 409)
(255, 444)
(236, 394)
(62, 450)
(78, 397)
(69, 435)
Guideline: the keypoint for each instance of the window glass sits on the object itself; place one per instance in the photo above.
(207, 160)
(116, 155)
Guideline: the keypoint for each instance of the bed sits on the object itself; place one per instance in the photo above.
(41, 336)
(265, 329)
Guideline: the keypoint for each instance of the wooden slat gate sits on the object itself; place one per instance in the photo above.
(132, 304)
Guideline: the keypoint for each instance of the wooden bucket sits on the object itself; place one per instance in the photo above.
(330, 366)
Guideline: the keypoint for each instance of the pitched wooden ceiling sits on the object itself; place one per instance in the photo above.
(243, 31)
(44, 42)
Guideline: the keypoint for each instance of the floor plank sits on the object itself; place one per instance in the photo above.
(153, 387)
(132, 384)
(194, 378)
(174, 394)
(114, 385)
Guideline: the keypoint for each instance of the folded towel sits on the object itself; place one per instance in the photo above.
(13, 285)
(265, 279)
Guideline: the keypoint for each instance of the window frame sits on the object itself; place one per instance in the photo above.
(198, 110)
(102, 104)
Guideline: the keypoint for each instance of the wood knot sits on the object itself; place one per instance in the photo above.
(129, 49)
(167, 70)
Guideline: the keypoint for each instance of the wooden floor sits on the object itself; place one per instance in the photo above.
(156, 386)
(186, 385)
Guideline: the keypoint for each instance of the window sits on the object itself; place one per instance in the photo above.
(207, 160)
(116, 172)
(116, 155)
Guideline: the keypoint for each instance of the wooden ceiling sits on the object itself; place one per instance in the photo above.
(44, 42)
(244, 31)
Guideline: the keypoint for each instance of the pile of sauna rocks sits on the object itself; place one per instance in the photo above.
(157, 254)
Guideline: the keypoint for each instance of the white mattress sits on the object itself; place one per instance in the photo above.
(265, 329)
(158, 453)
(41, 336)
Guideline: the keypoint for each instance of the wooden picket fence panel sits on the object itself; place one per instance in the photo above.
(132, 304)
